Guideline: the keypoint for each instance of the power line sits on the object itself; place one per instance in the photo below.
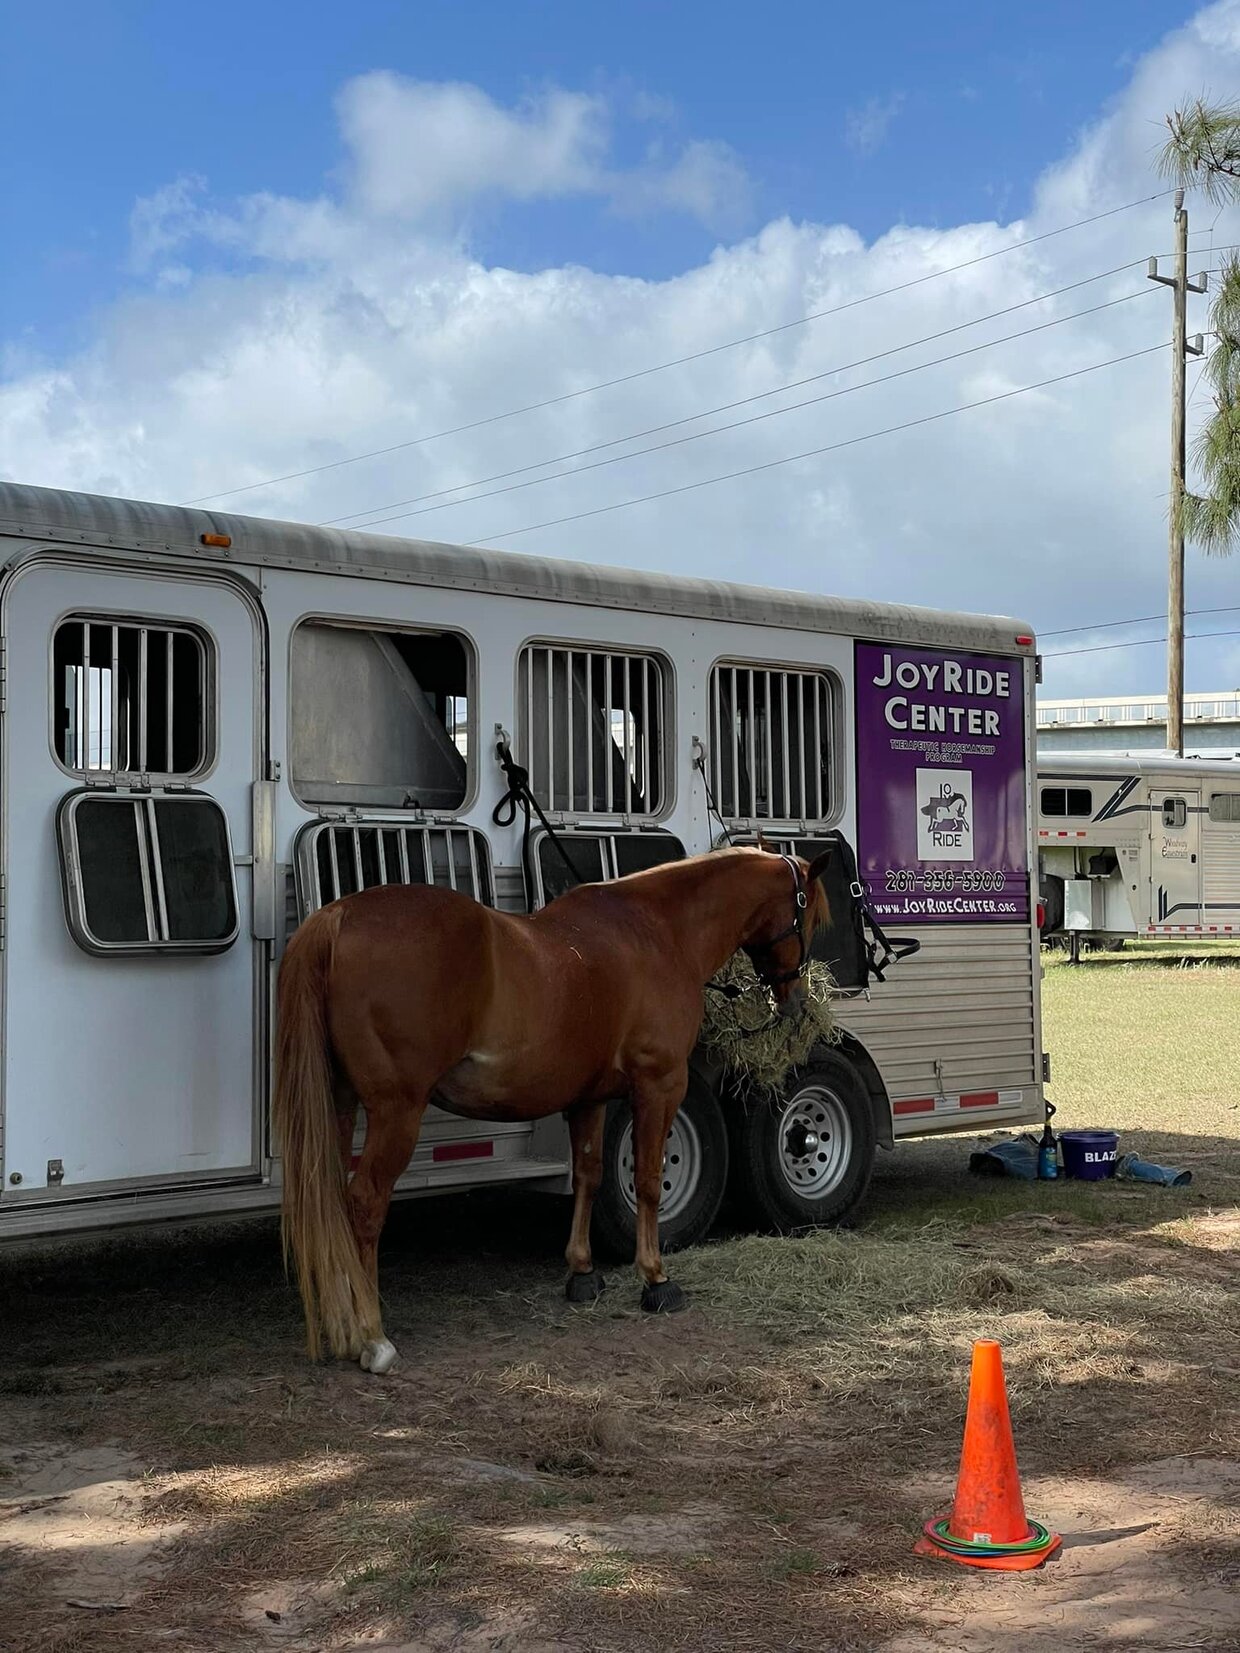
(1140, 620)
(680, 361)
(745, 401)
(738, 424)
(831, 447)
(1141, 643)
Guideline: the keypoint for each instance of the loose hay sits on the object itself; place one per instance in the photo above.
(759, 1048)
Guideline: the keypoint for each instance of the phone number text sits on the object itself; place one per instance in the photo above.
(935, 882)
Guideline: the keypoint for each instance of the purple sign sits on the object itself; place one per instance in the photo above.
(941, 827)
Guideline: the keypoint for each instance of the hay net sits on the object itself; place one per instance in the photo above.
(757, 1047)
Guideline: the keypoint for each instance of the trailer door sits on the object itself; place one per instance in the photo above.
(132, 978)
(1175, 860)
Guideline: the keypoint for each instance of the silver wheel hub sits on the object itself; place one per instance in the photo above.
(682, 1168)
(814, 1142)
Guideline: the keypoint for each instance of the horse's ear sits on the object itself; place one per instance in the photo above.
(819, 865)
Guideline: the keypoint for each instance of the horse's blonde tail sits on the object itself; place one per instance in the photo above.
(340, 1299)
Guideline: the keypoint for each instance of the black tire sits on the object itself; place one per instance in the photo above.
(695, 1176)
(785, 1178)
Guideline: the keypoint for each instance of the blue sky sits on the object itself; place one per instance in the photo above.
(252, 240)
(931, 114)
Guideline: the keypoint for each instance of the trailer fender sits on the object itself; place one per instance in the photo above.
(880, 1102)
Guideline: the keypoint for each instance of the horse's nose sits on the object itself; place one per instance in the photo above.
(790, 1004)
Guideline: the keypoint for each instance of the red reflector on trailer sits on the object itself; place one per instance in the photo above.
(1041, 916)
(462, 1150)
(1024, 641)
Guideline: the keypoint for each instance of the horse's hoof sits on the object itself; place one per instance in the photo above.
(585, 1288)
(665, 1297)
(378, 1357)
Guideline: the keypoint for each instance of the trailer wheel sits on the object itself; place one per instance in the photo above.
(806, 1159)
(695, 1174)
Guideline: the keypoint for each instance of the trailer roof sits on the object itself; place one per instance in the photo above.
(173, 530)
(1162, 766)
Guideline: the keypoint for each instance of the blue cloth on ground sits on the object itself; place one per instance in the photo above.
(1007, 1159)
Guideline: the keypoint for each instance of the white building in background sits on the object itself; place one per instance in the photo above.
(1130, 723)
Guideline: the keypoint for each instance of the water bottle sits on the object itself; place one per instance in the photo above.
(1048, 1157)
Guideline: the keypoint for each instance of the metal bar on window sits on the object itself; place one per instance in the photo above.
(610, 747)
(359, 872)
(158, 870)
(786, 744)
(144, 870)
(382, 855)
(142, 693)
(402, 841)
(736, 746)
(568, 718)
(550, 654)
(626, 667)
(114, 706)
(716, 744)
(769, 743)
(170, 755)
(334, 862)
(815, 685)
(751, 749)
(475, 876)
(589, 715)
(449, 845)
(650, 803)
(428, 863)
(87, 748)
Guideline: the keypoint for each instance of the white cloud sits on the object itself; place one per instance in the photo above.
(359, 318)
(417, 146)
(866, 128)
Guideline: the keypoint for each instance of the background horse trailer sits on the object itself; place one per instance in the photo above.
(212, 725)
(1139, 844)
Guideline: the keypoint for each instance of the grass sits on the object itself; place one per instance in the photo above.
(605, 1572)
(1137, 1046)
(409, 1554)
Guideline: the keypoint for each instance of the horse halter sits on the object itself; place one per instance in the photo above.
(796, 928)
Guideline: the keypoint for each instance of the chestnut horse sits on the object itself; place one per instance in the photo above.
(404, 995)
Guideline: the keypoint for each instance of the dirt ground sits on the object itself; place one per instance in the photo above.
(750, 1475)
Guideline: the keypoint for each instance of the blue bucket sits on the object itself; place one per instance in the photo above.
(1089, 1156)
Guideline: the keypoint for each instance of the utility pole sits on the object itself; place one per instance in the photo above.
(1181, 349)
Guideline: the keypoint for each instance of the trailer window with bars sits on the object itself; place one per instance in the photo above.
(149, 874)
(771, 740)
(340, 858)
(130, 697)
(592, 729)
(1225, 806)
(596, 857)
(379, 719)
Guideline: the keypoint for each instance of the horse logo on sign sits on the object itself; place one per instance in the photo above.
(944, 814)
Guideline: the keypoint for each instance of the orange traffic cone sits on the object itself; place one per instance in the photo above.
(987, 1526)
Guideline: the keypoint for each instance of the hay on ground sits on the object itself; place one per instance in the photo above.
(759, 1048)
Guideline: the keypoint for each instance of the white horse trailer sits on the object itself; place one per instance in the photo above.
(1138, 844)
(211, 725)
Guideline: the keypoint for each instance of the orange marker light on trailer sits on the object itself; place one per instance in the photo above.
(222, 540)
